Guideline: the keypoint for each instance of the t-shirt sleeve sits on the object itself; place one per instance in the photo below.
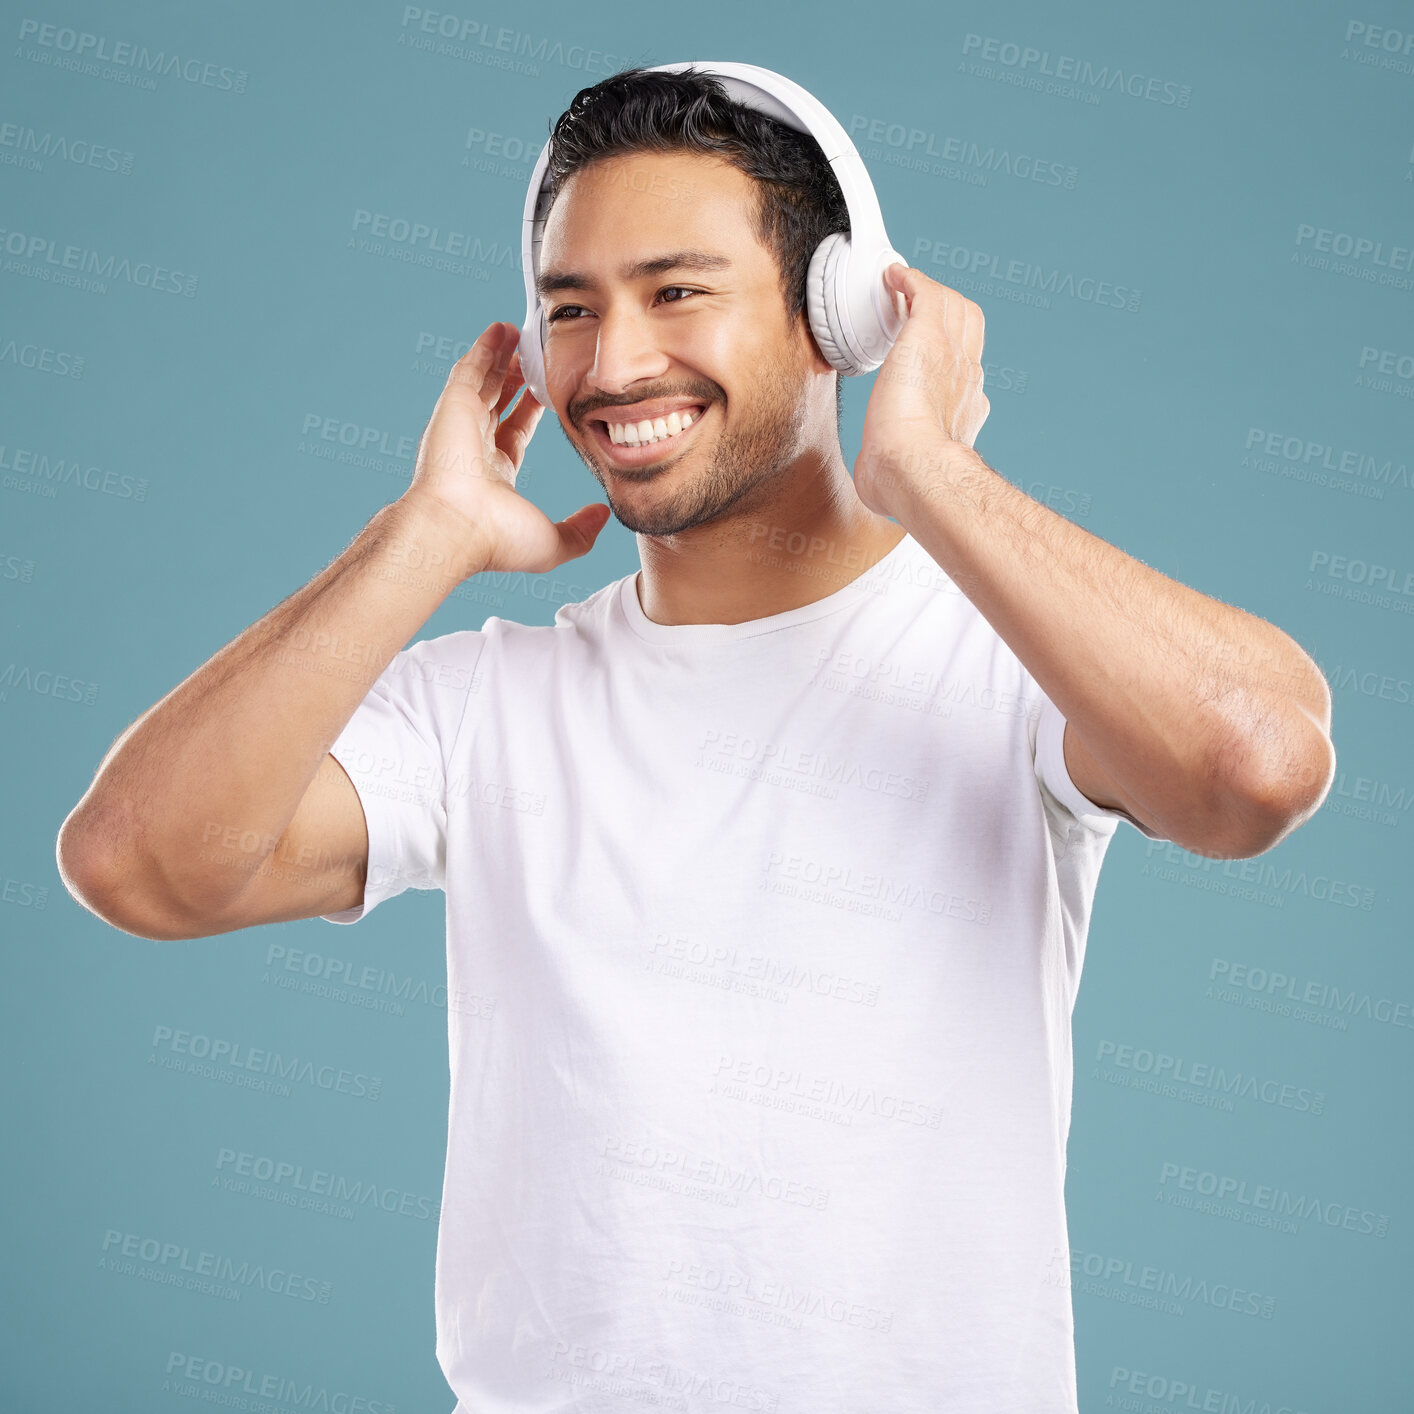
(1053, 775)
(395, 749)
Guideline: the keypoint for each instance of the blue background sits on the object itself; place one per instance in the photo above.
(204, 498)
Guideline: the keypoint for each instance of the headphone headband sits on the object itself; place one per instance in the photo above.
(852, 317)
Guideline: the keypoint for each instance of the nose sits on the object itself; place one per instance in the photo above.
(625, 351)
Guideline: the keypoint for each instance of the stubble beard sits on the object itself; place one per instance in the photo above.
(745, 459)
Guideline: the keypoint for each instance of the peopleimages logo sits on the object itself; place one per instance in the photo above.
(461, 37)
(1368, 682)
(1387, 370)
(1177, 1070)
(789, 763)
(921, 149)
(1155, 1288)
(844, 877)
(1356, 257)
(1322, 458)
(1282, 882)
(1270, 985)
(1369, 798)
(219, 1382)
(49, 472)
(1037, 283)
(45, 683)
(1379, 45)
(1398, 579)
(363, 981)
(433, 240)
(1265, 1204)
(1033, 65)
(1360, 248)
(1184, 1394)
(175, 1264)
(252, 1067)
(261, 1176)
(86, 51)
(1363, 581)
(23, 146)
(41, 358)
(44, 258)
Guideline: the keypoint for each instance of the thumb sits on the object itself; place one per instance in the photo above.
(579, 531)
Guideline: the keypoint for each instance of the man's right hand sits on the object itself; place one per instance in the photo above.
(468, 460)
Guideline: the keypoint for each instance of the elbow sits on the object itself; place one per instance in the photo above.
(77, 856)
(1260, 813)
(108, 886)
(88, 871)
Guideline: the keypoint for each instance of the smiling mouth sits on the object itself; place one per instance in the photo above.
(666, 442)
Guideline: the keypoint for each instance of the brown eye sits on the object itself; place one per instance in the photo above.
(559, 313)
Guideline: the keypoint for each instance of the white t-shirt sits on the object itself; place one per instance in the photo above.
(762, 945)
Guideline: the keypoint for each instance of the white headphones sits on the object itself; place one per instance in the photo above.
(851, 315)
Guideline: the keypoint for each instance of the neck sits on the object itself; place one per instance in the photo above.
(808, 537)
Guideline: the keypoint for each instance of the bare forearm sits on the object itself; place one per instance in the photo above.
(1175, 693)
(236, 745)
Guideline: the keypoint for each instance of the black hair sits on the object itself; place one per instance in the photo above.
(799, 200)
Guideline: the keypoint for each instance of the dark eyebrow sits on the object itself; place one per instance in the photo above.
(549, 281)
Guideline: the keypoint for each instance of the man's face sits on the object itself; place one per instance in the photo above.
(625, 346)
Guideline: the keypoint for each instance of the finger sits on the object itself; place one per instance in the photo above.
(906, 281)
(962, 319)
(470, 376)
(974, 329)
(964, 323)
(514, 434)
(502, 347)
(514, 380)
(482, 367)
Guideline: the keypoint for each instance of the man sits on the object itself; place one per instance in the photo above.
(768, 869)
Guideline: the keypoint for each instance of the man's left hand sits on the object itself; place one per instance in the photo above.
(928, 390)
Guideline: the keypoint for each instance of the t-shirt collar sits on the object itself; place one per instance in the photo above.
(705, 634)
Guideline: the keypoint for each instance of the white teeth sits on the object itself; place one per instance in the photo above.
(638, 434)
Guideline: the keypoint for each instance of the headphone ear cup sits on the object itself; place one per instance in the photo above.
(532, 355)
(822, 289)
